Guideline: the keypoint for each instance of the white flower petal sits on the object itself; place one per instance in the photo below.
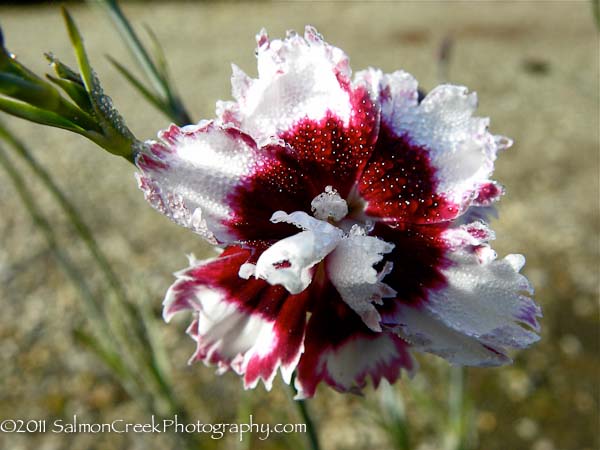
(426, 333)
(398, 95)
(350, 270)
(347, 365)
(459, 146)
(189, 175)
(487, 299)
(221, 330)
(297, 78)
(483, 307)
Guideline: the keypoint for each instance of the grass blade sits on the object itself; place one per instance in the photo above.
(135, 46)
(157, 102)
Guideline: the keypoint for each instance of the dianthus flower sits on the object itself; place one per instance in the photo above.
(351, 217)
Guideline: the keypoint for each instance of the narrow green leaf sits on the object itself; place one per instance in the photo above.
(41, 95)
(99, 349)
(9, 64)
(174, 104)
(62, 70)
(75, 91)
(82, 59)
(116, 137)
(158, 54)
(135, 46)
(38, 115)
(154, 70)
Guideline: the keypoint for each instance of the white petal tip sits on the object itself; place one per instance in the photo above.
(278, 216)
(246, 270)
(516, 261)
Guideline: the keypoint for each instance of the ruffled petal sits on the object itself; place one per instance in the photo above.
(396, 254)
(244, 325)
(487, 298)
(341, 351)
(426, 333)
(483, 307)
(189, 174)
(433, 158)
(350, 270)
(298, 78)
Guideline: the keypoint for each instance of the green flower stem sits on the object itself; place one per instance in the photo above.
(458, 414)
(310, 426)
(302, 409)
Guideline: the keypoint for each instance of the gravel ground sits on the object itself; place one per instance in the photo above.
(535, 66)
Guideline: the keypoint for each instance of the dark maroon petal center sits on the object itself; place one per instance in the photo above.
(418, 258)
(316, 154)
(400, 185)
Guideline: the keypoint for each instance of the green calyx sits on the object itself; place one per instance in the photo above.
(71, 100)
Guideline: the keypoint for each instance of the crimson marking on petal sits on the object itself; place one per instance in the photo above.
(390, 370)
(282, 264)
(399, 183)
(171, 135)
(278, 183)
(342, 78)
(160, 150)
(174, 134)
(149, 163)
(488, 193)
(252, 296)
(340, 151)
(326, 147)
(279, 342)
(482, 234)
(332, 327)
(502, 358)
(288, 336)
(153, 160)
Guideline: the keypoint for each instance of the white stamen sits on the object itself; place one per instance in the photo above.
(329, 204)
(289, 261)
